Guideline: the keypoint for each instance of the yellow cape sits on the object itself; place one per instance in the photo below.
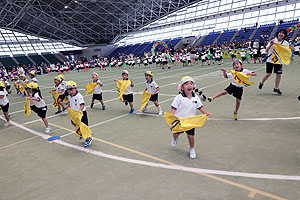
(55, 99)
(27, 109)
(81, 129)
(89, 88)
(240, 78)
(145, 98)
(16, 85)
(184, 124)
(24, 85)
(281, 54)
(121, 87)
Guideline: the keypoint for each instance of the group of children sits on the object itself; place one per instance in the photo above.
(185, 104)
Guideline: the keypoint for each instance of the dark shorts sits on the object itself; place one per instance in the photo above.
(84, 118)
(255, 55)
(154, 97)
(235, 91)
(189, 61)
(244, 58)
(41, 112)
(164, 62)
(276, 68)
(5, 108)
(128, 97)
(189, 132)
(233, 56)
(97, 96)
(296, 53)
(61, 97)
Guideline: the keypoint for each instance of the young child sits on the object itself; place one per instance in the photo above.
(234, 89)
(4, 103)
(243, 56)
(186, 105)
(97, 93)
(128, 94)
(58, 87)
(32, 77)
(23, 82)
(153, 88)
(16, 84)
(39, 106)
(76, 102)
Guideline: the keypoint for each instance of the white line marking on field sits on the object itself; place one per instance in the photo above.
(158, 165)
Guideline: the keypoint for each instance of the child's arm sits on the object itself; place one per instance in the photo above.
(100, 83)
(81, 107)
(269, 46)
(145, 89)
(173, 110)
(155, 91)
(224, 73)
(33, 98)
(68, 104)
(131, 84)
(251, 74)
(204, 111)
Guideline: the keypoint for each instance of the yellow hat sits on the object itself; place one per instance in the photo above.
(58, 78)
(2, 84)
(33, 85)
(61, 76)
(186, 79)
(16, 77)
(94, 73)
(23, 75)
(125, 72)
(237, 60)
(32, 73)
(71, 84)
(149, 73)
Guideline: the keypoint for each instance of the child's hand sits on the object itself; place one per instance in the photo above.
(223, 70)
(115, 80)
(272, 42)
(152, 93)
(131, 80)
(208, 113)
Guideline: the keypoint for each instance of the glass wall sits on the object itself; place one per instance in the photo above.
(215, 15)
(14, 43)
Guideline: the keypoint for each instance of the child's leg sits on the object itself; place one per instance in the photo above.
(6, 115)
(224, 92)
(176, 135)
(45, 122)
(101, 101)
(191, 140)
(237, 105)
(158, 106)
(131, 105)
(93, 100)
(266, 76)
(277, 80)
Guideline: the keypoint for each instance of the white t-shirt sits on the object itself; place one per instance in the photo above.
(4, 100)
(76, 101)
(243, 54)
(163, 57)
(98, 88)
(269, 60)
(34, 80)
(296, 48)
(39, 104)
(263, 51)
(128, 90)
(152, 86)
(255, 51)
(230, 75)
(59, 89)
(186, 107)
(256, 45)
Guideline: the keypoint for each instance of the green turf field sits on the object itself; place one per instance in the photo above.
(256, 157)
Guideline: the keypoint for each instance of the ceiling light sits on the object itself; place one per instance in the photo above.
(66, 7)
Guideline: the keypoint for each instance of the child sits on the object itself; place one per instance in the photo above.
(281, 38)
(243, 56)
(39, 107)
(128, 94)
(76, 102)
(58, 87)
(234, 89)
(4, 103)
(255, 55)
(7, 85)
(97, 93)
(153, 88)
(186, 105)
(16, 84)
(23, 81)
(32, 77)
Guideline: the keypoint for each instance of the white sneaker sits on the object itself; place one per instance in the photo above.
(192, 153)
(7, 124)
(48, 129)
(160, 113)
(174, 142)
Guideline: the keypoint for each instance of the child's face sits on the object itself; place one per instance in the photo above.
(30, 76)
(56, 82)
(237, 66)
(281, 35)
(188, 87)
(22, 78)
(72, 91)
(148, 78)
(125, 76)
(94, 77)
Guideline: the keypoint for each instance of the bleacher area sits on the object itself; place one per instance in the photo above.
(140, 49)
(211, 37)
(244, 34)
(38, 59)
(226, 36)
(7, 61)
(265, 29)
(23, 60)
(51, 58)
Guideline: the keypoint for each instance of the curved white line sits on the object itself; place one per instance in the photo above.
(158, 165)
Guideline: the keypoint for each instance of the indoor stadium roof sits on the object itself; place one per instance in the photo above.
(84, 21)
